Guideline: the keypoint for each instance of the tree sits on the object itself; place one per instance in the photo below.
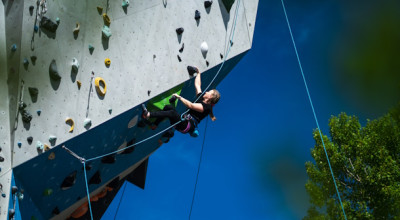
(366, 165)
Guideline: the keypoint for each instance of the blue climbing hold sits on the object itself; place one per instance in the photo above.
(36, 28)
(14, 47)
(19, 144)
(39, 112)
(26, 61)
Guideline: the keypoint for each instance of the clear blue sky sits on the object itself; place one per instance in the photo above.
(254, 154)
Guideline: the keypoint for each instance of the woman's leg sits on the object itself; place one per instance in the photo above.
(160, 119)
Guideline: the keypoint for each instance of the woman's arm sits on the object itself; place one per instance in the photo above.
(198, 107)
(197, 82)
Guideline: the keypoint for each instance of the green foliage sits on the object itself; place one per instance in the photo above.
(366, 165)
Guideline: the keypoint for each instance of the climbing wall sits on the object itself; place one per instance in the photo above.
(75, 73)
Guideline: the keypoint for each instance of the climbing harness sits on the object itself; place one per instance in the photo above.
(191, 121)
(312, 106)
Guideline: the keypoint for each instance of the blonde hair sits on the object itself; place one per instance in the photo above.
(214, 100)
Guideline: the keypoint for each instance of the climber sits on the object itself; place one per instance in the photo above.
(197, 112)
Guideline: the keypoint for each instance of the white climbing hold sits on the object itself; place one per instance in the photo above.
(76, 29)
(87, 123)
(133, 122)
(204, 47)
(75, 64)
(39, 146)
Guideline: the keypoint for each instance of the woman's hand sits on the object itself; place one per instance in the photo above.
(176, 95)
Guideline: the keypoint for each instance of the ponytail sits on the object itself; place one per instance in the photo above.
(213, 118)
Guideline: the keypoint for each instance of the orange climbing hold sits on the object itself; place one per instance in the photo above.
(79, 212)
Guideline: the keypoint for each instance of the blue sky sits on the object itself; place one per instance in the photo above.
(254, 154)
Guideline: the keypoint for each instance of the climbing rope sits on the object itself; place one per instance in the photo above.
(116, 212)
(84, 161)
(198, 169)
(312, 107)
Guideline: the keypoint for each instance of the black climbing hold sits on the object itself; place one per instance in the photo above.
(33, 59)
(69, 181)
(30, 139)
(181, 50)
(172, 100)
(222, 57)
(31, 8)
(0, 149)
(26, 117)
(48, 24)
(14, 189)
(56, 211)
(192, 70)
(21, 106)
(197, 15)
(179, 59)
(53, 71)
(207, 4)
(88, 167)
(110, 159)
(1, 159)
(231, 42)
(11, 213)
(148, 92)
(33, 92)
(96, 178)
(179, 30)
(207, 63)
(141, 124)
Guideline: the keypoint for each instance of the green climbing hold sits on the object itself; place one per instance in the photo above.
(39, 146)
(158, 102)
(125, 3)
(106, 32)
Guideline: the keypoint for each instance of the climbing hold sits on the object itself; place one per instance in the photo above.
(91, 48)
(14, 189)
(31, 8)
(192, 70)
(106, 32)
(204, 47)
(33, 92)
(207, 4)
(47, 192)
(20, 196)
(56, 211)
(39, 112)
(148, 92)
(14, 47)
(36, 28)
(107, 61)
(69, 181)
(181, 50)
(231, 42)
(179, 58)
(97, 82)
(1, 159)
(76, 29)
(179, 30)
(75, 64)
(222, 57)
(26, 62)
(39, 146)
(87, 123)
(30, 139)
(51, 156)
(52, 139)
(46, 147)
(80, 211)
(11, 213)
(19, 144)
(96, 178)
(48, 24)
(33, 59)
(58, 20)
(53, 71)
(106, 19)
(79, 84)
(197, 15)
(110, 110)
(125, 3)
(109, 159)
(207, 63)
(26, 117)
(70, 122)
(99, 9)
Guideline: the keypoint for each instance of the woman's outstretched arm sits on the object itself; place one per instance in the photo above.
(198, 107)
(197, 82)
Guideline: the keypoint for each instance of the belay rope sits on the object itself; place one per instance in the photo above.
(312, 107)
(84, 161)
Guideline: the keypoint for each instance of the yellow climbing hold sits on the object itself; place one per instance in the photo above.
(77, 27)
(107, 61)
(106, 19)
(46, 147)
(97, 82)
(52, 156)
(70, 122)
(79, 84)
